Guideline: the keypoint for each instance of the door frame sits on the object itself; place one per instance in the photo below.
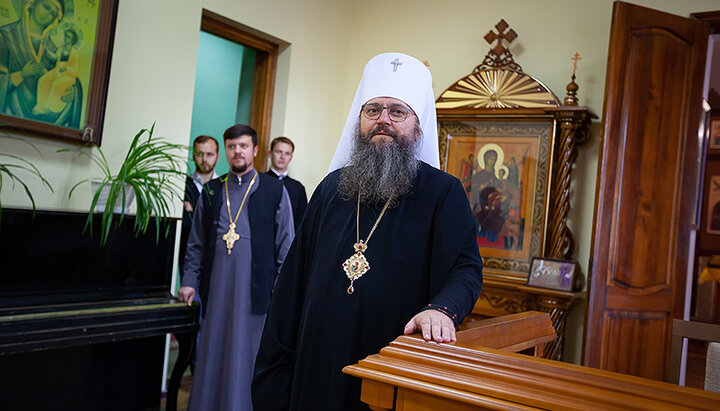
(267, 48)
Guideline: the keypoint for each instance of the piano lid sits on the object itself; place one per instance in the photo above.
(49, 260)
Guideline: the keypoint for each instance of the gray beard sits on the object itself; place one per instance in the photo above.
(378, 174)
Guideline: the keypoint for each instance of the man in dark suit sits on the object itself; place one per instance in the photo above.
(205, 156)
(281, 153)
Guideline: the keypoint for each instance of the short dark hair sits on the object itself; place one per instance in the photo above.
(281, 140)
(239, 130)
(203, 138)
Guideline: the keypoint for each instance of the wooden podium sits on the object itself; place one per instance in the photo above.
(411, 374)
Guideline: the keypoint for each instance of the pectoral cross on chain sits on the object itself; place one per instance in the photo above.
(396, 63)
(230, 237)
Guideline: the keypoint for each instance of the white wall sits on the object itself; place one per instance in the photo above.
(309, 105)
(152, 80)
(153, 71)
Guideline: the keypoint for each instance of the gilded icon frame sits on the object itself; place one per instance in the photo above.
(510, 204)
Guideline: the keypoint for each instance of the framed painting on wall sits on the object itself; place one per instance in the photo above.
(709, 240)
(712, 222)
(504, 167)
(714, 135)
(54, 66)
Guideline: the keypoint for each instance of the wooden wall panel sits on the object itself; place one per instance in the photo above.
(635, 329)
(651, 160)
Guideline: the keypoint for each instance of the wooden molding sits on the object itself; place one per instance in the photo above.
(413, 374)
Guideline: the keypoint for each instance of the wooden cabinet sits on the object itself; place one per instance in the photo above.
(513, 144)
(499, 298)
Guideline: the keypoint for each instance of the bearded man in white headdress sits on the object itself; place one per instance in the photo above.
(387, 246)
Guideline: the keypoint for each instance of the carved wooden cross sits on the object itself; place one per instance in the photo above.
(575, 60)
(501, 35)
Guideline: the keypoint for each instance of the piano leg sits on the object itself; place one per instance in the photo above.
(186, 348)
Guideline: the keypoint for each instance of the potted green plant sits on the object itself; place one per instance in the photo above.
(10, 164)
(152, 171)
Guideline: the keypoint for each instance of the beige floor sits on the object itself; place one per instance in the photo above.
(183, 397)
(185, 384)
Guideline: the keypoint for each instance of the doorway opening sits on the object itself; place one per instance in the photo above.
(704, 293)
(234, 83)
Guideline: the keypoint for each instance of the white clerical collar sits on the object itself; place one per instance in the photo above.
(197, 179)
(279, 174)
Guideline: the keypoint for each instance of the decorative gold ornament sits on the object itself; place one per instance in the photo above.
(231, 236)
(357, 264)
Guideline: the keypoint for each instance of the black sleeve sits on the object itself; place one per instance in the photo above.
(302, 203)
(191, 196)
(275, 361)
(456, 265)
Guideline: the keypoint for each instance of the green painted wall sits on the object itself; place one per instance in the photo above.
(247, 79)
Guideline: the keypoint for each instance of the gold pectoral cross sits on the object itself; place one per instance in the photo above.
(230, 237)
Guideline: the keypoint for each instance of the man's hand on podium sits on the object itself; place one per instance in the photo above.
(433, 325)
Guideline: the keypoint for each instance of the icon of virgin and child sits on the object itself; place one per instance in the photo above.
(493, 184)
(39, 63)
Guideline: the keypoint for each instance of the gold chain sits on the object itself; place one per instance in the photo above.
(231, 236)
(227, 198)
(372, 230)
(357, 264)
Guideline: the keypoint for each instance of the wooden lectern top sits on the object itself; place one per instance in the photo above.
(412, 374)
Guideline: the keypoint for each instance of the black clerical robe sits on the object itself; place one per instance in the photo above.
(423, 251)
(191, 195)
(298, 198)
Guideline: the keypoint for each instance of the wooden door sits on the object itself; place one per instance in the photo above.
(646, 192)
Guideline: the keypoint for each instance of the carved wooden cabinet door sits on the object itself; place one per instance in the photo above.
(646, 191)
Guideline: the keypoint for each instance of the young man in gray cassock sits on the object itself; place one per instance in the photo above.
(242, 229)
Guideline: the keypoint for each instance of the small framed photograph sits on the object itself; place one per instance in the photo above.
(709, 233)
(714, 134)
(554, 274)
(712, 222)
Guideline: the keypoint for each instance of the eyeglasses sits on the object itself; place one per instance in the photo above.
(397, 112)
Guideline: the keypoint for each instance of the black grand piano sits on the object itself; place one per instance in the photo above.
(82, 327)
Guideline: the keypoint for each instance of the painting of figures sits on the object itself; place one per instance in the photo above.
(54, 56)
(503, 168)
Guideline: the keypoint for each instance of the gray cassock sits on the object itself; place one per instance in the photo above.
(230, 333)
